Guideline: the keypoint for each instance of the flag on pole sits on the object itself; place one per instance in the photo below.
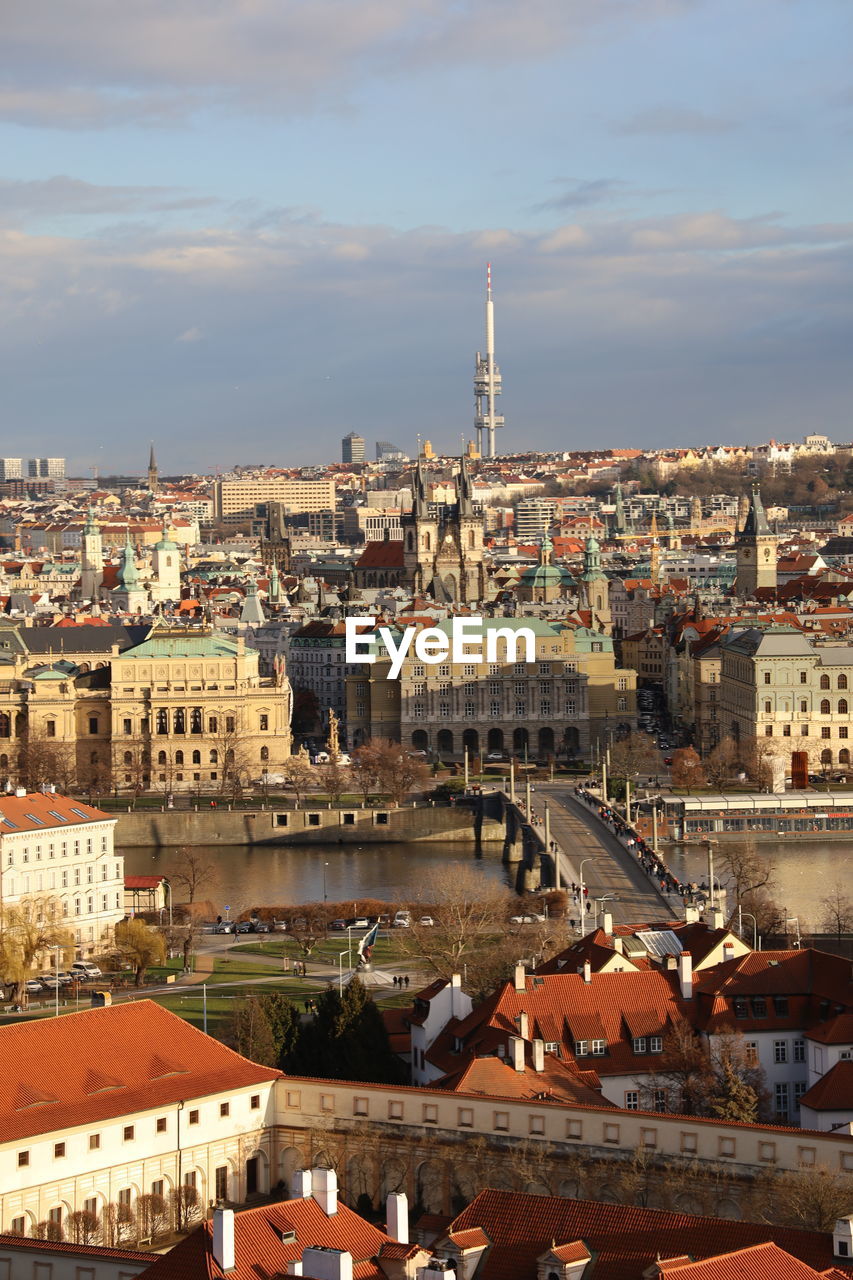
(366, 945)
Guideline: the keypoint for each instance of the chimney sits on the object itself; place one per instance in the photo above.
(607, 922)
(685, 974)
(326, 1264)
(325, 1192)
(516, 1053)
(294, 1268)
(302, 1184)
(520, 982)
(671, 963)
(397, 1216)
(223, 1239)
(538, 1055)
(717, 919)
(522, 1023)
(691, 915)
(455, 992)
(617, 945)
(587, 971)
(728, 951)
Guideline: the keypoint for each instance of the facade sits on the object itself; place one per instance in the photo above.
(46, 468)
(104, 1106)
(534, 518)
(352, 448)
(594, 587)
(234, 501)
(59, 853)
(11, 468)
(315, 658)
(755, 547)
(443, 543)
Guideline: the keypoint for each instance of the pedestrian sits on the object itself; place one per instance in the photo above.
(307, 1006)
(406, 980)
(589, 906)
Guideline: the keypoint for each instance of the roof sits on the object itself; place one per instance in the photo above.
(497, 1078)
(833, 1092)
(38, 811)
(756, 1262)
(260, 1253)
(84, 639)
(623, 1239)
(387, 554)
(102, 1063)
(94, 1252)
(185, 644)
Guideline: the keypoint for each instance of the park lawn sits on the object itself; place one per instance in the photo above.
(386, 950)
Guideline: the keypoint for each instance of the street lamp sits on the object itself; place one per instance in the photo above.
(56, 951)
(605, 897)
(167, 884)
(584, 861)
(740, 914)
(341, 955)
(325, 894)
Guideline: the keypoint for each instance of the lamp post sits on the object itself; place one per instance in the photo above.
(56, 951)
(740, 914)
(584, 861)
(325, 894)
(341, 955)
(167, 884)
(605, 897)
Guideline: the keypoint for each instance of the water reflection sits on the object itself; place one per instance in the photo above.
(270, 875)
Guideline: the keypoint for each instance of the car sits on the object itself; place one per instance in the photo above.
(426, 921)
(244, 926)
(66, 978)
(279, 926)
(226, 926)
(338, 926)
(532, 918)
(49, 981)
(85, 971)
(839, 777)
(403, 919)
(261, 926)
(667, 760)
(33, 987)
(497, 756)
(816, 779)
(360, 922)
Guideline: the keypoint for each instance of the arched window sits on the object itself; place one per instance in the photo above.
(824, 682)
(179, 757)
(427, 540)
(265, 753)
(5, 725)
(472, 539)
(168, 562)
(50, 728)
(844, 756)
(128, 757)
(161, 757)
(180, 721)
(842, 706)
(214, 757)
(842, 682)
(195, 720)
(410, 541)
(4, 762)
(162, 720)
(826, 756)
(824, 706)
(196, 757)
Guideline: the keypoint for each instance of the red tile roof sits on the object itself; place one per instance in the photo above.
(623, 1239)
(38, 812)
(262, 1254)
(381, 555)
(497, 1078)
(55, 1071)
(837, 1031)
(92, 1251)
(833, 1092)
(758, 1262)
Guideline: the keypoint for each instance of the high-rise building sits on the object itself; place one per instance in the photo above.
(533, 518)
(388, 452)
(46, 468)
(352, 448)
(11, 468)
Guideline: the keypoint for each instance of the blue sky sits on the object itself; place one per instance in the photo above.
(246, 227)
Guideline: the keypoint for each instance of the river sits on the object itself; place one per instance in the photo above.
(274, 875)
(805, 871)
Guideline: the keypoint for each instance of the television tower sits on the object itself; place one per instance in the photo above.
(487, 381)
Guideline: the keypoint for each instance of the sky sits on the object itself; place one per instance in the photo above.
(244, 228)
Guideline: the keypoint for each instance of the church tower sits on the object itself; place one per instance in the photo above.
(153, 471)
(166, 569)
(443, 548)
(594, 589)
(92, 560)
(129, 596)
(756, 551)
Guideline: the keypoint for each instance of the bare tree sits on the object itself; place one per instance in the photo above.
(633, 754)
(194, 871)
(335, 779)
(813, 1199)
(83, 1227)
(756, 756)
(746, 868)
(152, 1215)
(398, 772)
(299, 773)
(837, 914)
(132, 766)
(719, 763)
(185, 1206)
(687, 769)
(45, 761)
(365, 769)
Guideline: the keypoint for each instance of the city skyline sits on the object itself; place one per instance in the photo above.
(276, 222)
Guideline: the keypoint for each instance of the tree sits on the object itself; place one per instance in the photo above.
(306, 711)
(335, 779)
(397, 772)
(837, 914)
(283, 1018)
(118, 1225)
(687, 769)
(756, 757)
(719, 763)
(152, 1215)
(29, 928)
(683, 1072)
(633, 754)
(251, 1034)
(141, 945)
(45, 761)
(83, 1227)
(470, 914)
(299, 773)
(194, 871)
(746, 869)
(364, 768)
(132, 766)
(733, 1099)
(813, 1199)
(345, 1040)
(185, 1206)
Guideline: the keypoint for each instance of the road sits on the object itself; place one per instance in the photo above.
(610, 869)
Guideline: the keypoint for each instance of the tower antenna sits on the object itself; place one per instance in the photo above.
(487, 381)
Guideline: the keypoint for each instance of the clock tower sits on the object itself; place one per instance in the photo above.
(756, 551)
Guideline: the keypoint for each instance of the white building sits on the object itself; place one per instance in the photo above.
(54, 847)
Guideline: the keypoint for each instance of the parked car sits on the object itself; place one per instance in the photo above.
(817, 779)
(261, 926)
(403, 920)
(33, 987)
(667, 760)
(66, 978)
(426, 921)
(338, 926)
(495, 756)
(534, 918)
(49, 981)
(360, 922)
(279, 926)
(86, 971)
(244, 926)
(227, 926)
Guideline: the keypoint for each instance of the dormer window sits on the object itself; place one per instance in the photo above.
(581, 1048)
(598, 1048)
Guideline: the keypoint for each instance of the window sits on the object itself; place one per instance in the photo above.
(727, 1147)
(655, 1044)
(799, 1050)
(781, 1099)
(751, 1052)
(824, 682)
(659, 1100)
(786, 731)
(688, 1143)
(59, 1150)
(768, 731)
(224, 1109)
(264, 723)
(780, 1050)
(536, 1126)
(520, 707)
(842, 706)
(520, 668)
(826, 732)
(327, 1102)
(23, 1159)
(581, 1048)
(465, 1117)
(255, 1102)
(93, 724)
(766, 677)
(94, 1142)
(220, 1175)
(800, 1087)
(632, 1100)
(124, 1196)
(128, 1133)
(804, 677)
(640, 1044)
(759, 1007)
(780, 1006)
(599, 1048)
(395, 1110)
(494, 708)
(824, 706)
(161, 1124)
(430, 1113)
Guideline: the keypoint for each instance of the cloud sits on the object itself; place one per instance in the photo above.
(582, 193)
(664, 330)
(673, 119)
(61, 196)
(69, 65)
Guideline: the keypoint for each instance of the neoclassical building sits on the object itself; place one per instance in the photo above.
(175, 710)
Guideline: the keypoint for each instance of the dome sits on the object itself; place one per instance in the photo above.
(541, 575)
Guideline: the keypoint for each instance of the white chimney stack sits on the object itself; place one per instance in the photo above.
(685, 974)
(728, 951)
(294, 1268)
(717, 919)
(223, 1239)
(522, 1022)
(516, 1053)
(397, 1216)
(607, 922)
(617, 945)
(691, 915)
(587, 971)
(538, 1055)
(520, 982)
(326, 1264)
(456, 1010)
(302, 1184)
(325, 1183)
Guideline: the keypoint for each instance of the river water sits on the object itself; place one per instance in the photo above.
(274, 875)
(805, 871)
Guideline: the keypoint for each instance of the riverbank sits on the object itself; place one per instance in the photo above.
(420, 822)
